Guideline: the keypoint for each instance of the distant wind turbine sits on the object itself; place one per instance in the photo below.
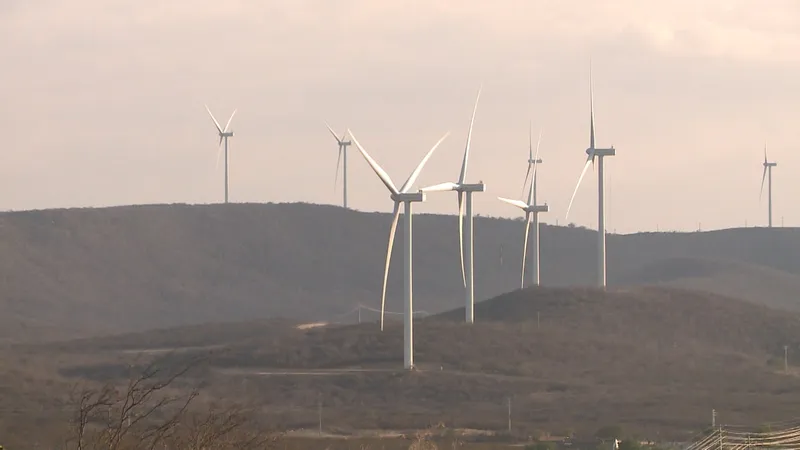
(467, 273)
(405, 197)
(224, 134)
(531, 160)
(598, 153)
(532, 210)
(343, 159)
(767, 171)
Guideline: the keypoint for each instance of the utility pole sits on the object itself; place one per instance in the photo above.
(359, 314)
(713, 418)
(786, 358)
(319, 412)
(509, 414)
(537, 320)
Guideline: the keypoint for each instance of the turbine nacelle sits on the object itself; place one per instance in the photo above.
(770, 164)
(409, 197)
(226, 134)
(536, 161)
(471, 187)
(537, 208)
(601, 151)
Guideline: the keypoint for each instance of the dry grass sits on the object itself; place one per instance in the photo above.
(653, 360)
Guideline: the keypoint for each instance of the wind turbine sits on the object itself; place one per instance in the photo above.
(342, 156)
(405, 197)
(532, 210)
(224, 134)
(767, 170)
(465, 189)
(531, 160)
(598, 153)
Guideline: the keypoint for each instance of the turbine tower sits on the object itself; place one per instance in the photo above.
(767, 172)
(224, 134)
(405, 197)
(599, 153)
(532, 210)
(341, 158)
(465, 189)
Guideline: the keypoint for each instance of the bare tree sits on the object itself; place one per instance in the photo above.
(150, 412)
(143, 412)
(231, 428)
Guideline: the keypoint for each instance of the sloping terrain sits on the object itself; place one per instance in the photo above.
(654, 360)
(82, 272)
(758, 284)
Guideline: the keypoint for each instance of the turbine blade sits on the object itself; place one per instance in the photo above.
(535, 166)
(463, 173)
(334, 134)
(338, 161)
(538, 143)
(518, 203)
(525, 247)
(525, 183)
(375, 167)
(532, 186)
(461, 235)
(219, 152)
(449, 186)
(229, 121)
(763, 177)
(530, 140)
(583, 172)
(395, 217)
(219, 129)
(411, 179)
(591, 107)
(765, 153)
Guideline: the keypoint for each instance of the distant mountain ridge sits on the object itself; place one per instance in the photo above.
(73, 272)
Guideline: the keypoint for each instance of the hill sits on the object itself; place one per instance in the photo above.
(83, 272)
(653, 360)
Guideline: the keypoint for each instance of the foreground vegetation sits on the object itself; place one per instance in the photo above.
(654, 361)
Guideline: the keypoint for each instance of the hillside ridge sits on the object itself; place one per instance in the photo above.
(87, 271)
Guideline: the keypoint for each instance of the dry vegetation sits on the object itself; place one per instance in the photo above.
(653, 360)
(217, 279)
(85, 272)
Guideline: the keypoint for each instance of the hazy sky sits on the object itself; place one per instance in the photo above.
(102, 102)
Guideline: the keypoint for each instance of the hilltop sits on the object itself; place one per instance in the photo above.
(84, 272)
(654, 360)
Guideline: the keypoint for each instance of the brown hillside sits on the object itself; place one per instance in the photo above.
(79, 272)
(655, 360)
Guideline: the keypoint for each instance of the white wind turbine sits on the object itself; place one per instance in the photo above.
(405, 197)
(224, 134)
(532, 210)
(531, 160)
(343, 159)
(767, 170)
(598, 153)
(464, 188)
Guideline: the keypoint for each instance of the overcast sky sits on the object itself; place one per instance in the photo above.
(102, 102)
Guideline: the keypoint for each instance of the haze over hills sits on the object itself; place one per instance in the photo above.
(79, 272)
